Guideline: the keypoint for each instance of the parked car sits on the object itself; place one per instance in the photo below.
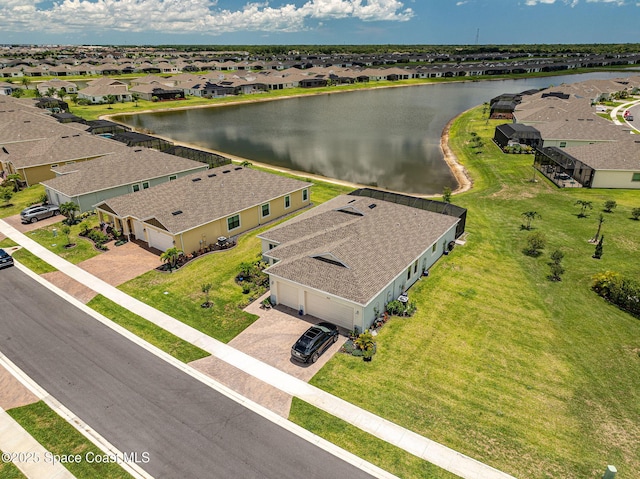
(5, 259)
(35, 213)
(629, 117)
(315, 341)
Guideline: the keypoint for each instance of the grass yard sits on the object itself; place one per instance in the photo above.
(57, 241)
(179, 293)
(164, 340)
(59, 437)
(22, 199)
(534, 377)
(27, 258)
(9, 471)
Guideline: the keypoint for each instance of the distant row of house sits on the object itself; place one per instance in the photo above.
(331, 261)
(576, 143)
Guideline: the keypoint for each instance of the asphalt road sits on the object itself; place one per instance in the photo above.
(142, 404)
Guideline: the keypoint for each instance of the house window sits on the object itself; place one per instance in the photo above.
(287, 201)
(173, 177)
(145, 185)
(271, 246)
(305, 195)
(563, 144)
(635, 177)
(266, 211)
(135, 188)
(433, 248)
(409, 273)
(233, 222)
(415, 267)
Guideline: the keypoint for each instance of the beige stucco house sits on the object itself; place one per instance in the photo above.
(192, 212)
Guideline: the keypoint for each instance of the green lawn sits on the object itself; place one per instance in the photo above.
(534, 377)
(176, 347)
(22, 199)
(9, 471)
(27, 258)
(59, 437)
(52, 238)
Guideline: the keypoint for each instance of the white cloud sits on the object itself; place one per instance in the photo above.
(188, 16)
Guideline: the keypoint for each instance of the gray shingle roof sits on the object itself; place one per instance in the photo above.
(124, 167)
(57, 149)
(206, 199)
(621, 155)
(375, 246)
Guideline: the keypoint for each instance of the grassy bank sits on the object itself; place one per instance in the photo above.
(534, 377)
(27, 258)
(9, 471)
(59, 437)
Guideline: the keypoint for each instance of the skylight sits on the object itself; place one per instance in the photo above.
(176, 213)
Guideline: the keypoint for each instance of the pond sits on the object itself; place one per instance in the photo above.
(388, 138)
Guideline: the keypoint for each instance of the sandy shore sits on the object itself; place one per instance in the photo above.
(459, 172)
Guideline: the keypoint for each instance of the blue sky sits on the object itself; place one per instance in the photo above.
(152, 22)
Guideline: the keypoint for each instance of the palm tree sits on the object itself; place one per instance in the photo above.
(584, 206)
(25, 82)
(600, 221)
(51, 91)
(171, 256)
(529, 216)
(111, 99)
(14, 179)
(69, 210)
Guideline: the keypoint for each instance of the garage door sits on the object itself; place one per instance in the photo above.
(160, 240)
(288, 295)
(323, 307)
(138, 230)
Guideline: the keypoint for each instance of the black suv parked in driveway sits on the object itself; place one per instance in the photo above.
(315, 341)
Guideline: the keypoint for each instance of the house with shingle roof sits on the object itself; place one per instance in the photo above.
(194, 211)
(34, 158)
(125, 171)
(345, 259)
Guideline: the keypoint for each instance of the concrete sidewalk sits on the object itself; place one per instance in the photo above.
(411, 442)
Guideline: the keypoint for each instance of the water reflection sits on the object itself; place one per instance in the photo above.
(389, 137)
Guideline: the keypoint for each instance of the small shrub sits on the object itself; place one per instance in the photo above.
(395, 308)
(635, 214)
(535, 242)
(610, 205)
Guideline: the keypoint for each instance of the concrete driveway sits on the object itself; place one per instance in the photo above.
(269, 339)
(16, 222)
(121, 263)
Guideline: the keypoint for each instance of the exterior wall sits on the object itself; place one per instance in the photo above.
(615, 179)
(36, 174)
(189, 241)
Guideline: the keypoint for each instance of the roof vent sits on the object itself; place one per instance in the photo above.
(227, 171)
(238, 168)
(176, 213)
(137, 151)
(27, 121)
(66, 136)
(211, 175)
(330, 259)
(196, 179)
(5, 150)
(372, 206)
(351, 201)
(76, 134)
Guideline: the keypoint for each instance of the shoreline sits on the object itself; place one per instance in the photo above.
(459, 172)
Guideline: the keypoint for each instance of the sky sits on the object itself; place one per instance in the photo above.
(327, 22)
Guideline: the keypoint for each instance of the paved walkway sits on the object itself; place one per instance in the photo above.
(411, 442)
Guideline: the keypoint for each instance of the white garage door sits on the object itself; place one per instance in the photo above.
(160, 240)
(138, 230)
(288, 295)
(330, 310)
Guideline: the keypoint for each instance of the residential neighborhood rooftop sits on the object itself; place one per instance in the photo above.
(353, 247)
(203, 197)
(123, 167)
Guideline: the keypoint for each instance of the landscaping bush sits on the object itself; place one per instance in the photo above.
(622, 292)
(395, 308)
